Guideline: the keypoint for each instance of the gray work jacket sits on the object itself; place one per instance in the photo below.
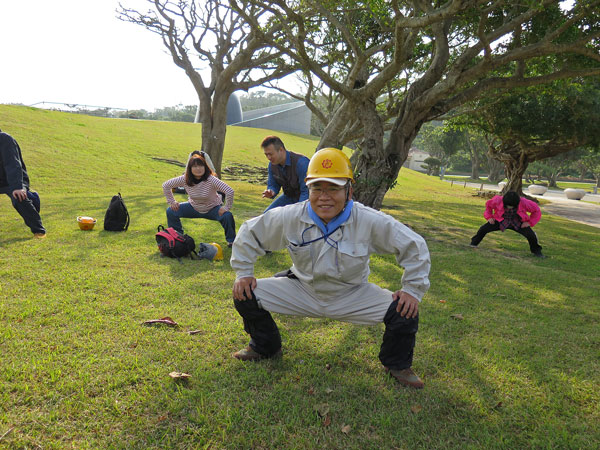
(339, 265)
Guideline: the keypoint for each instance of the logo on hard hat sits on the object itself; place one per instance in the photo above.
(327, 164)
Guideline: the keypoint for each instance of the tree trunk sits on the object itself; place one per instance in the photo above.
(214, 127)
(496, 170)
(515, 168)
(376, 178)
(375, 172)
(475, 166)
(474, 158)
(552, 179)
(335, 133)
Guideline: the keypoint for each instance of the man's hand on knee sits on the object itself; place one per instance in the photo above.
(19, 194)
(243, 287)
(408, 306)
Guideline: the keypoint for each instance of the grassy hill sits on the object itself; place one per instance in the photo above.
(77, 370)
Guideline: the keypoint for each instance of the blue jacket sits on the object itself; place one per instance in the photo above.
(301, 168)
(13, 173)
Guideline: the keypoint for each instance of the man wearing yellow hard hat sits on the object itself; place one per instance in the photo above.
(329, 238)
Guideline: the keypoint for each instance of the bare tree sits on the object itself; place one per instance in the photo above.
(219, 53)
(430, 57)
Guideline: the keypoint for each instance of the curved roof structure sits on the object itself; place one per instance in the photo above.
(292, 117)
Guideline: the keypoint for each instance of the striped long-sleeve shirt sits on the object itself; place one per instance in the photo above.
(203, 196)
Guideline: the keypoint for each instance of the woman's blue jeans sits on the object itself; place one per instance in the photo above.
(186, 210)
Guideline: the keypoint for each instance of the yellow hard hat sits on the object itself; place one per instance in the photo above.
(219, 255)
(329, 164)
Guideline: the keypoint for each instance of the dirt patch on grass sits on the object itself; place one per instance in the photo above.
(238, 172)
(485, 194)
(243, 172)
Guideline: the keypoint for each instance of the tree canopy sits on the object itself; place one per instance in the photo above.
(390, 64)
(399, 64)
(540, 122)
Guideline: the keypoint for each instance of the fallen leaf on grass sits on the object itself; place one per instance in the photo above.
(195, 332)
(457, 316)
(328, 366)
(327, 421)
(416, 409)
(498, 405)
(346, 429)
(328, 391)
(442, 301)
(322, 409)
(179, 375)
(165, 320)
(311, 391)
(162, 418)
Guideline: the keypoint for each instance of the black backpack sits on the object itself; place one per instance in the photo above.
(117, 216)
(173, 244)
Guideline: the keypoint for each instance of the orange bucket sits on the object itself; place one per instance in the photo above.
(86, 223)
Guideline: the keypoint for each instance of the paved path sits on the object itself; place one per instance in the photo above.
(581, 211)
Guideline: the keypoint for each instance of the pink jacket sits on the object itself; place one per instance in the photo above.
(494, 209)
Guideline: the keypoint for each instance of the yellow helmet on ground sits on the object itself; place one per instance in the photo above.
(219, 255)
(329, 164)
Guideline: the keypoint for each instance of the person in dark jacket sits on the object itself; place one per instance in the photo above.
(14, 182)
(287, 171)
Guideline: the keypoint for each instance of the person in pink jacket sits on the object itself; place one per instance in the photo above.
(509, 211)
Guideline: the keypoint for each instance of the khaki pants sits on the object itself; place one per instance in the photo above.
(365, 304)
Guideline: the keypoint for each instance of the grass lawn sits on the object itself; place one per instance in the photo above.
(78, 370)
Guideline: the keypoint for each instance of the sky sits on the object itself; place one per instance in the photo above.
(77, 51)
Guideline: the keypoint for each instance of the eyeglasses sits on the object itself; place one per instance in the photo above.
(331, 191)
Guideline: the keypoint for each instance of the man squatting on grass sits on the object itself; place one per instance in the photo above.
(14, 182)
(329, 239)
(511, 212)
(287, 170)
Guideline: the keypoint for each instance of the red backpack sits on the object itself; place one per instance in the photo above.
(173, 244)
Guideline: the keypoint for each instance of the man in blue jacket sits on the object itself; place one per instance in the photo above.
(287, 171)
(14, 182)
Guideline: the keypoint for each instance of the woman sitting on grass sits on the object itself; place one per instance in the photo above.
(204, 201)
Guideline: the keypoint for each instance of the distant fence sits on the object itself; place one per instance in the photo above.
(91, 110)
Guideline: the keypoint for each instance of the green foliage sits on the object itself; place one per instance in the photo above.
(179, 113)
(441, 141)
(77, 370)
(433, 165)
(263, 99)
(561, 112)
